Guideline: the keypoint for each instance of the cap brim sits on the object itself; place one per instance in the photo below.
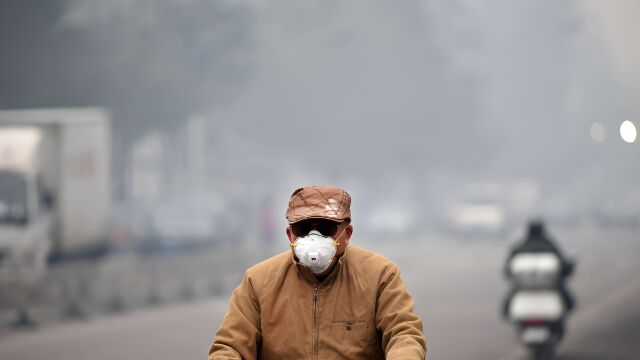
(318, 217)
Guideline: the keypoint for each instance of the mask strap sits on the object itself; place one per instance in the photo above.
(336, 243)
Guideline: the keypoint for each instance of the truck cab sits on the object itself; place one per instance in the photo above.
(24, 204)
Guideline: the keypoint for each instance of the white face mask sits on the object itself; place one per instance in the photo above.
(315, 251)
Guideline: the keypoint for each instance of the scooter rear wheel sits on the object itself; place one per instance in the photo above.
(543, 352)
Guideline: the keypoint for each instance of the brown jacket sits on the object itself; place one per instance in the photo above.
(362, 310)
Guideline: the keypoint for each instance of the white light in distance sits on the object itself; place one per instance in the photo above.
(628, 131)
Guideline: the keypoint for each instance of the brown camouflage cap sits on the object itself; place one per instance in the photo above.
(319, 202)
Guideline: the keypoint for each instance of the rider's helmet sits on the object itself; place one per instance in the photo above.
(536, 229)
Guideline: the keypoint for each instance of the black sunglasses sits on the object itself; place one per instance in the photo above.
(325, 227)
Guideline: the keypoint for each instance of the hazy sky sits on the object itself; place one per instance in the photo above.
(496, 89)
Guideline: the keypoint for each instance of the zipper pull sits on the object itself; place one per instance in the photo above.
(315, 294)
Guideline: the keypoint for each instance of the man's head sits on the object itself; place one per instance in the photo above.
(339, 231)
(536, 229)
(326, 209)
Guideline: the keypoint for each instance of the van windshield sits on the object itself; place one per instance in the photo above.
(13, 198)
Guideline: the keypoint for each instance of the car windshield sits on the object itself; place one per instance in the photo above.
(13, 198)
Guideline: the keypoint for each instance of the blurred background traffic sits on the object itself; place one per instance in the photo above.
(148, 150)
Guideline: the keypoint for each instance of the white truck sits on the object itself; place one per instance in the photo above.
(54, 188)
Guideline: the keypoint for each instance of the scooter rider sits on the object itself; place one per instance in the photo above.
(538, 241)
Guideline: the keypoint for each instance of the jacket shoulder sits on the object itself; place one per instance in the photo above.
(263, 272)
(374, 262)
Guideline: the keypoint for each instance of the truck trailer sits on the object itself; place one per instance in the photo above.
(54, 185)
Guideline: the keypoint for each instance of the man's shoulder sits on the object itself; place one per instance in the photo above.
(268, 268)
(373, 261)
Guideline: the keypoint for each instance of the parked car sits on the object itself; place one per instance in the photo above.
(181, 225)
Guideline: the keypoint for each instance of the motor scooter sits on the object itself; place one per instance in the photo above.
(536, 307)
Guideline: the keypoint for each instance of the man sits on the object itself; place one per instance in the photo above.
(537, 241)
(323, 299)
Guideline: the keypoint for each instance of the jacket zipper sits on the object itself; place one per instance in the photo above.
(315, 321)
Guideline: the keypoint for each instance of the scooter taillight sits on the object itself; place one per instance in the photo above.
(533, 322)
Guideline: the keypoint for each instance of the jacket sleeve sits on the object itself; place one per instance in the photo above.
(239, 336)
(401, 328)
